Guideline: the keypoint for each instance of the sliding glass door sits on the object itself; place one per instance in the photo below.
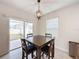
(18, 30)
(28, 28)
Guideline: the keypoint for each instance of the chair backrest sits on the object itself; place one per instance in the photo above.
(24, 45)
(29, 35)
(48, 35)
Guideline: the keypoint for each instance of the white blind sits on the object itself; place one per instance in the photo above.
(52, 26)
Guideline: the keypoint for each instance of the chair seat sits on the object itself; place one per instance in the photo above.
(31, 48)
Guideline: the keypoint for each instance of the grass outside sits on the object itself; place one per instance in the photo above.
(15, 36)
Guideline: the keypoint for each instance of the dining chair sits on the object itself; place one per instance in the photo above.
(27, 49)
(48, 35)
(47, 49)
(29, 35)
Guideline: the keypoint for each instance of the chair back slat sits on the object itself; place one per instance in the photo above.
(48, 35)
(29, 35)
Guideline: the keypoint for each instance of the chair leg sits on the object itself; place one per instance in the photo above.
(48, 57)
(26, 56)
(43, 54)
(52, 55)
(23, 54)
(32, 54)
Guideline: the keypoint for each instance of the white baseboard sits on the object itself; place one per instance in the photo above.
(61, 49)
(4, 53)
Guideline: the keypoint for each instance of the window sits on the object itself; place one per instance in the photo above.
(28, 28)
(17, 29)
(52, 26)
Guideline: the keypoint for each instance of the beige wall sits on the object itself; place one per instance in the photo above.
(42, 26)
(39, 27)
(68, 25)
(4, 35)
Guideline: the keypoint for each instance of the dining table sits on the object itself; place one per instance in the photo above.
(39, 41)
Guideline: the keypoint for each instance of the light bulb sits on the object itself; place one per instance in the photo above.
(38, 14)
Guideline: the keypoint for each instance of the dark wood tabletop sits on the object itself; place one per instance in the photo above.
(39, 40)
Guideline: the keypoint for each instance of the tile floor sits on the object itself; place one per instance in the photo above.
(14, 44)
(16, 54)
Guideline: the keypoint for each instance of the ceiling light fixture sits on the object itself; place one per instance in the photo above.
(38, 12)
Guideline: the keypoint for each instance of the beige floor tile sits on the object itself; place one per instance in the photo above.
(16, 54)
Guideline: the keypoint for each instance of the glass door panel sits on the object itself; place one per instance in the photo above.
(15, 32)
(28, 28)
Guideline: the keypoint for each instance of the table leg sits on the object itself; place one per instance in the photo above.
(53, 49)
(49, 52)
(38, 53)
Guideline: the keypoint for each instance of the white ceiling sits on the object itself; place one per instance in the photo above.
(31, 5)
